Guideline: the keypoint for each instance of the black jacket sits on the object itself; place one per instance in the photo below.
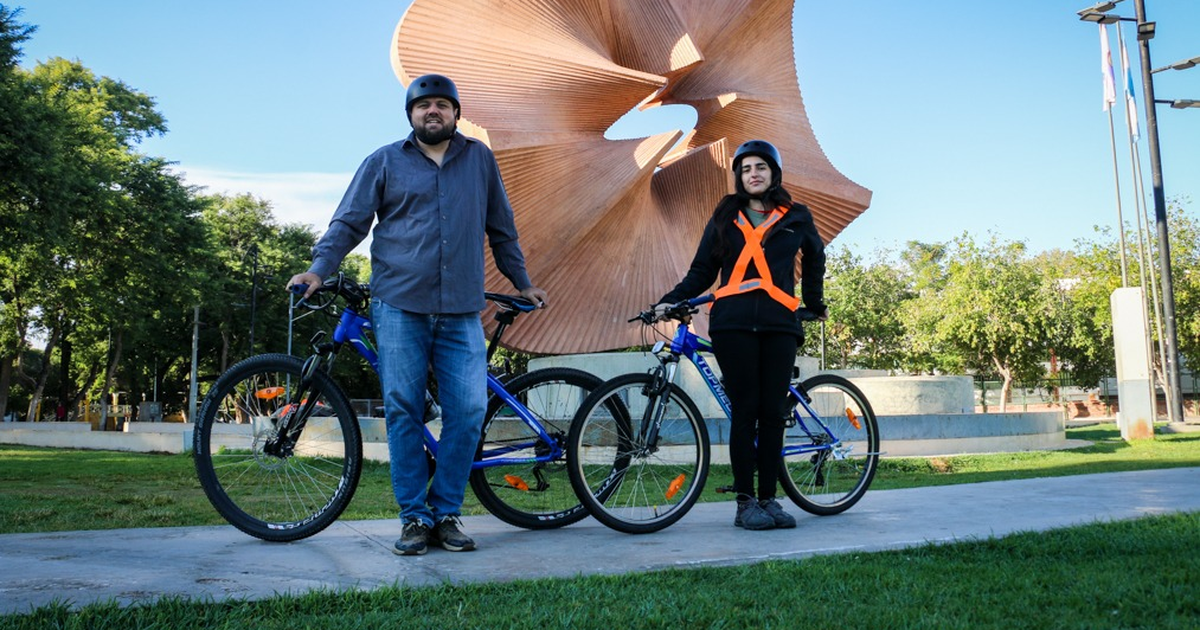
(756, 310)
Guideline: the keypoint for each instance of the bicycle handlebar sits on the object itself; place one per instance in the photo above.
(684, 309)
(358, 294)
(512, 302)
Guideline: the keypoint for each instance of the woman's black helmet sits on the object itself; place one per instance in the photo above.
(432, 85)
(762, 149)
(768, 153)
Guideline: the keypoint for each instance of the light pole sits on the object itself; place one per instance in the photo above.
(1145, 32)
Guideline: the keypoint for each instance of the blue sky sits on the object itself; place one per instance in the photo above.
(957, 117)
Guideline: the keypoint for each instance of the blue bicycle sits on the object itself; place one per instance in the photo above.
(278, 447)
(638, 451)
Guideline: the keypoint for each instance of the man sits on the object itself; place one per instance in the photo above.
(435, 195)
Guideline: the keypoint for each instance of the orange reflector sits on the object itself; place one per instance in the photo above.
(517, 482)
(267, 393)
(676, 484)
(853, 419)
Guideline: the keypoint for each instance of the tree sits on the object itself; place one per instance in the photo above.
(996, 311)
(865, 305)
(924, 267)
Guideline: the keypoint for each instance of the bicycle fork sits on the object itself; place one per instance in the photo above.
(646, 439)
(299, 407)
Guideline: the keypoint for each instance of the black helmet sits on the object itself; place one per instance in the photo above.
(762, 149)
(431, 85)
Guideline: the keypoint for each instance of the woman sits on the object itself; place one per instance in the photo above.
(752, 242)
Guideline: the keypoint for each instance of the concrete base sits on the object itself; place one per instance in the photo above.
(902, 436)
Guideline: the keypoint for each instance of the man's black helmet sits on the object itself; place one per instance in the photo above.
(762, 149)
(431, 85)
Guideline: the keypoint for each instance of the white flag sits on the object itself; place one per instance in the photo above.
(1106, 69)
(1131, 117)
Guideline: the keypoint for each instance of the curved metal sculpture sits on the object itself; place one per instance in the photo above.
(607, 226)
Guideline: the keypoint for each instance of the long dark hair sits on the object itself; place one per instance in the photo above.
(729, 206)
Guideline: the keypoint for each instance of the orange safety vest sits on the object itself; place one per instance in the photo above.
(753, 251)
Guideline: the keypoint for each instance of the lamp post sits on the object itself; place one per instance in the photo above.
(1145, 32)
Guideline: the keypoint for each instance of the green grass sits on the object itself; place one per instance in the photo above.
(45, 490)
(1129, 574)
(1139, 573)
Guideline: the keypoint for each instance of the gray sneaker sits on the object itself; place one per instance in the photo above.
(782, 519)
(414, 539)
(751, 515)
(448, 535)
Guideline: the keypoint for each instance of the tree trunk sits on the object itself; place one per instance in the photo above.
(73, 408)
(109, 378)
(1006, 386)
(6, 364)
(39, 387)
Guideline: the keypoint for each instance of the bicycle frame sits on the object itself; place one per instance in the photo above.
(689, 345)
(354, 328)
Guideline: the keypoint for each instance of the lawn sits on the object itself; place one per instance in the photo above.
(46, 490)
(1129, 574)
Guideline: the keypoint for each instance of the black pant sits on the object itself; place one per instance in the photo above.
(757, 368)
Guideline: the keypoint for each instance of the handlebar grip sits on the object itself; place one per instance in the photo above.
(805, 314)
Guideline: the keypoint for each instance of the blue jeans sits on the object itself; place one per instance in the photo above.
(408, 343)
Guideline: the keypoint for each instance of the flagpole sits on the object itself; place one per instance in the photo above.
(1153, 285)
(1143, 227)
(1110, 97)
(1117, 185)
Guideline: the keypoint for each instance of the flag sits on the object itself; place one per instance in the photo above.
(1106, 68)
(1131, 118)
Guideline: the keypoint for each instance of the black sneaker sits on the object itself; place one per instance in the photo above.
(782, 519)
(448, 535)
(751, 515)
(414, 539)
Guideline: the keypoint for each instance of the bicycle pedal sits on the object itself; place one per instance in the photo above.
(724, 489)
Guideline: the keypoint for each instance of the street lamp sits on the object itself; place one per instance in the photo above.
(1096, 12)
(1099, 7)
(1145, 32)
(1181, 103)
(1178, 65)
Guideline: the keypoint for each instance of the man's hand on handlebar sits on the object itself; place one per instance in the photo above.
(308, 278)
(536, 296)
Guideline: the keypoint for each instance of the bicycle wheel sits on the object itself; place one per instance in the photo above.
(627, 482)
(837, 465)
(530, 493)
(272, 493)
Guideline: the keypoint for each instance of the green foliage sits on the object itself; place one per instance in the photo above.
(865, 327)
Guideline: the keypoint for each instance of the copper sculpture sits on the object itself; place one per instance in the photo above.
(607, 226)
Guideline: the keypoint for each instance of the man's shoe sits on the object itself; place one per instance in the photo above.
(751, 515)
(782, 519)
(414, 539)
(448, 535)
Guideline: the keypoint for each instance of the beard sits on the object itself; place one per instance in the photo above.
(435, 137)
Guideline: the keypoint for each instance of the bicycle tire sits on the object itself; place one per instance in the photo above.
(625, 485)
(272, 497)
(831, 481)
(532, 494)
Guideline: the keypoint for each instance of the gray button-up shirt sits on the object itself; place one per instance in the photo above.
(427, 246)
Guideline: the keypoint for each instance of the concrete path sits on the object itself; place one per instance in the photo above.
(141, 565)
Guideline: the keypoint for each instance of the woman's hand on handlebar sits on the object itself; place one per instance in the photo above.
(307, 278)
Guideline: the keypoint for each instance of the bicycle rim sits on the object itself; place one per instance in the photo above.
(626, 483)
(834, 477)
(283, 496)
(531, 492)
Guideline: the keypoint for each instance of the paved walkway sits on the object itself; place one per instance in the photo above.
(141, 565)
